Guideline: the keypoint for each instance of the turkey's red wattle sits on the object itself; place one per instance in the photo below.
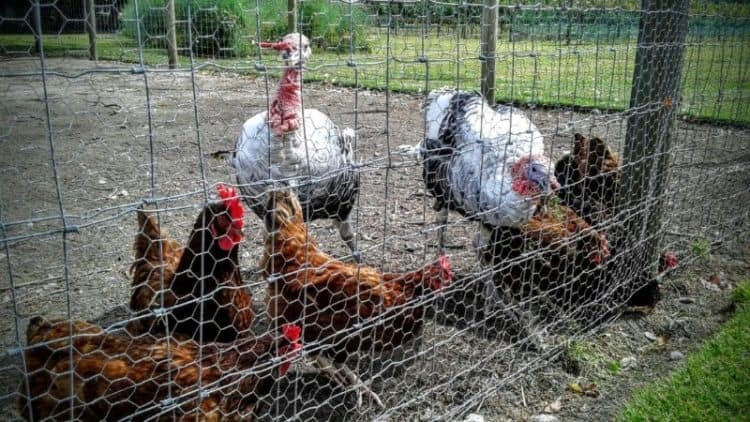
(283, 117)
(524, 187)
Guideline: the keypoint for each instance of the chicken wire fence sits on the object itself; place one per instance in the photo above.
(646, 136)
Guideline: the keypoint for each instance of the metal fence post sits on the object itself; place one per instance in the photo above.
(489, 48)
(653, 102)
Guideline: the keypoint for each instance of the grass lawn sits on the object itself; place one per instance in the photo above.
(715, 87)
(714, 385)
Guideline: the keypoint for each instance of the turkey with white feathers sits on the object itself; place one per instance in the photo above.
(299, 148)
(487, 163)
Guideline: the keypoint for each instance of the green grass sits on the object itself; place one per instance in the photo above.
(741, 294)
(716, 82)
(714, 385)
(109, 47)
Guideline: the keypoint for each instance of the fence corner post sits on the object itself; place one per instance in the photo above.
(654, 101)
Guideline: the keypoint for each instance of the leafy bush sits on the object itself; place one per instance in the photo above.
(218, 26)
(325, 22)
(225, 27)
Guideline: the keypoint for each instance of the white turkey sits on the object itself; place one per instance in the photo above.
(300, 148)
(487, 163)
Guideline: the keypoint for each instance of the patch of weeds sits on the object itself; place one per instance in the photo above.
(701, 247)
(579, 355)
(614, 367)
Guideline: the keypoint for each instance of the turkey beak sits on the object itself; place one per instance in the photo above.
(278, 46)
(289, 54)
(539, 175)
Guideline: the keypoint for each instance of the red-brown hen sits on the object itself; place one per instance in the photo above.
(345, 306)
(115, 376)
(198, 287)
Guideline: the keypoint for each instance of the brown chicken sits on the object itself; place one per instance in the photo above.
(589, 178)
(114, 376)
(566, 249)
(197, 289)
(344, 306)
(577, 267)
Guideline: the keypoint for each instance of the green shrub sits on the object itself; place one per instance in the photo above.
(325, 22)
(218, 27)
(226, 27)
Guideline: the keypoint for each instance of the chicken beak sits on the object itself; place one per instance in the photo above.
(539, 175)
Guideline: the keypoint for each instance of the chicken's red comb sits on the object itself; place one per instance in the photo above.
(292, 332)
(232, 201)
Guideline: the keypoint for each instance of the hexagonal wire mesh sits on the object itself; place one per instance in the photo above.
(488, 235)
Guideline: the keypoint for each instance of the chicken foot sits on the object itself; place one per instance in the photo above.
(344, 376)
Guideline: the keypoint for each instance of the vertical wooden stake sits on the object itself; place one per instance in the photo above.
(91, 29)
(171, 35)
(489, 49)
(291, 16)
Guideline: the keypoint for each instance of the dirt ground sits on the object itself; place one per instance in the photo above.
(108, 154)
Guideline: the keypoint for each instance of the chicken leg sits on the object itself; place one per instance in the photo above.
(344, 376)
(442, 221)
(513, 311)
(345, 230)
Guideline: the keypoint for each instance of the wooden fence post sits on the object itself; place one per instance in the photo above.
(654, 101)
(91, 28)
(171, 35)
(489, 49)
(291, 22)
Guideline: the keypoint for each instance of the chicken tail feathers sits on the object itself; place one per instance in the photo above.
(36, 325)
(148, 232)
(154, 263)
(151, 244)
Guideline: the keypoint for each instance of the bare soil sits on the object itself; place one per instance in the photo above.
(116, 138)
